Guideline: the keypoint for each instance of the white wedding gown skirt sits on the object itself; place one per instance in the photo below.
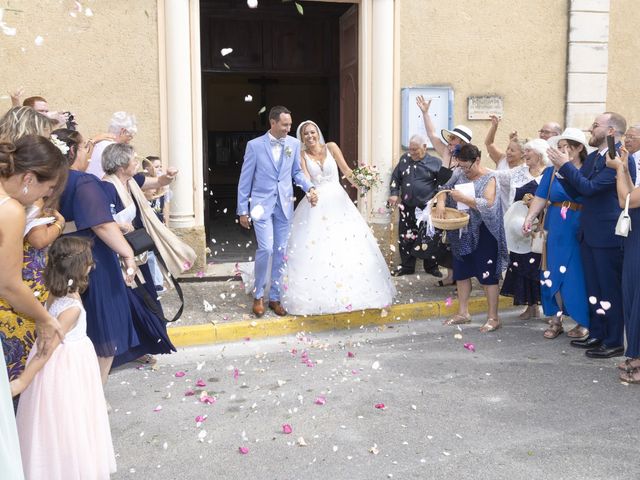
(333, 261)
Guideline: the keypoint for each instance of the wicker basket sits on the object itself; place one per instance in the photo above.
(454, 219)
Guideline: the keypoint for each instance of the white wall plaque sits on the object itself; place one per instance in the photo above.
(480, 108)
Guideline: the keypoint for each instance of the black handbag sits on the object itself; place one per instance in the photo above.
(140, 241)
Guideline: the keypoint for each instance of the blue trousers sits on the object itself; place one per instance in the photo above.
(272, 233)
(603, 278)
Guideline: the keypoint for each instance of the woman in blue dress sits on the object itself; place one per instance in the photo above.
(121, 167)
(562, 278)
(630, 267)
(87, 213)
(480, 249)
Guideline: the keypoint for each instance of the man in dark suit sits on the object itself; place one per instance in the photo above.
(600, 248)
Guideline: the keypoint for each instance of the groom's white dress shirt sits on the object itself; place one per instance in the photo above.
(276, 148)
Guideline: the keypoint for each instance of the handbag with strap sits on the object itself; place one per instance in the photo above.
(539, 237)
(623, 227)
(140, 241)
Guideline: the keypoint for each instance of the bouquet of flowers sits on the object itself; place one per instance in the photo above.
(365, 177)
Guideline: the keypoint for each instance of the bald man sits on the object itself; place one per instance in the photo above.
(549, 129)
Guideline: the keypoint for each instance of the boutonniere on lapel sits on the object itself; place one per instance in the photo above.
(287, 151)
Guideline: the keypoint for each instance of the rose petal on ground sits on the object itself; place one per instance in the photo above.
(350, 354)
(200, 383)
(380, 406)
(243, 450)
(180, 373)
(320, 400)
(286, 429)
(158, 408)
(470, 346)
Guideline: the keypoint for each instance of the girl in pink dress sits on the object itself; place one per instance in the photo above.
(62, 416)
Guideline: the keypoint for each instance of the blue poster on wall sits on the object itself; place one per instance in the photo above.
(441, 111)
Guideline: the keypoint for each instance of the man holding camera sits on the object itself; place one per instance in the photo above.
(600, 248)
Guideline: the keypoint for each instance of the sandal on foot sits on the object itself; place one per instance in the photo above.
(458, 319)
(632, 377)
(553, 331)
(147, 359)
(578, 332)
(629, 365)
(441, 283)
(491, 325)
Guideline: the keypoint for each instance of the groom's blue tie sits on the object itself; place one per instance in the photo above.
(277, 141)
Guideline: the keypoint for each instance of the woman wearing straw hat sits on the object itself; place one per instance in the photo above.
(563, 285)
(480, 250)
(521, 281)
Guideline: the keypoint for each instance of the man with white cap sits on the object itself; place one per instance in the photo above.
(632, 144)
(450, 138)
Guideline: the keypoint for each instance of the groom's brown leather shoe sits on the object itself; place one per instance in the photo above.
(277, 308)
(258, 307)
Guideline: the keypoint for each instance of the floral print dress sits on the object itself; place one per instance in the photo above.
(17, 332)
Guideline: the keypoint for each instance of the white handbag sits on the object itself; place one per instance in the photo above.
(623, 227)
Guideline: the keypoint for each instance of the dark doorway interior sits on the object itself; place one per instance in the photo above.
(279, 58)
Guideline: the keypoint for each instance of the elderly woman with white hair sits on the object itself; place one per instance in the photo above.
(562, 278)
(521, 281)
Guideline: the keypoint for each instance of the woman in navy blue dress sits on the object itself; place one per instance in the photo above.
(121, 166)
(630, 368)
(87, 213)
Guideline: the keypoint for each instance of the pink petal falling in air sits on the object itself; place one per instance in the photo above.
(448, 301)
(563, 212)
(380, 406)
(320, 400)
(200, 383)
(180, 374)
(470, 346)
(349, 307)
(243, 450)
(286, 429)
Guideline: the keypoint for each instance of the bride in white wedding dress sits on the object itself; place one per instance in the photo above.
(333, 261)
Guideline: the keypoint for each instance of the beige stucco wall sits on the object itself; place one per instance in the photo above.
(624, 68)
(515, 49)
(91, 66)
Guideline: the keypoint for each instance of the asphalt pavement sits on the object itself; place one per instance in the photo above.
(408, 400)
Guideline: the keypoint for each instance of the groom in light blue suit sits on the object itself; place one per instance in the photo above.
(270, 163)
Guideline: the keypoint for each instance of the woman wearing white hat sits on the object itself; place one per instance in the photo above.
(563, 285)
(521, 281)
(445, 146)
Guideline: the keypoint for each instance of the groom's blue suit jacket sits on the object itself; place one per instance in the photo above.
(264, 181)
